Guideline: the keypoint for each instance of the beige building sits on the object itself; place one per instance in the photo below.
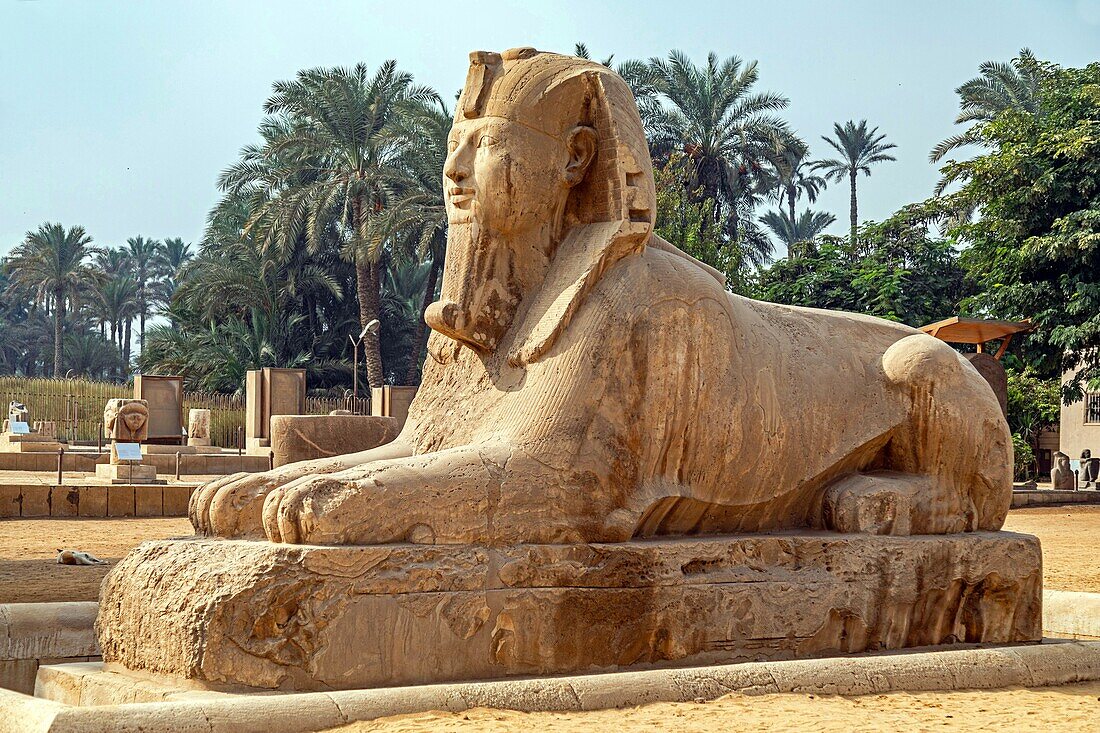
(1080, 425)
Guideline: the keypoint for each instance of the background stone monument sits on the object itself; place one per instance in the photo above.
(270, 392)
(390, 401)
(164, 396)
(198, 427)
(611, 462)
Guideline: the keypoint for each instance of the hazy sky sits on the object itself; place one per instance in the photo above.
(120, 115)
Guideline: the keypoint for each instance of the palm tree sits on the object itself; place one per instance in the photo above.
(793, 231)
(725, 130)
(859, 149)
(999, 87)
(795, 176)
(50, 262)
(333, 148)
(144, 257)
(171, 260)
(416, 220)
(118, 303)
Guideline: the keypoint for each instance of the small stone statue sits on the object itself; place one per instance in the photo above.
(1090, 469)
(17, 412)
(1061, 476)
(198, 427)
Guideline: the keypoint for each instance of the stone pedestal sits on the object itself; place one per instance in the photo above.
(119, 473)
(225, 613)
(28, 443)
(304, 437)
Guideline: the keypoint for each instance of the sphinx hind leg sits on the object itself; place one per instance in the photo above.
(893, 503)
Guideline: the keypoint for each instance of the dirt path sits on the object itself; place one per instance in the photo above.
(28, 554)
(1066, 708)
(1071, 544)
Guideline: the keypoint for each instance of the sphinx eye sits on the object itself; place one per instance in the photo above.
(486, 141)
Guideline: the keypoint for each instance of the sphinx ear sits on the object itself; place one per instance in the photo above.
(582, 150)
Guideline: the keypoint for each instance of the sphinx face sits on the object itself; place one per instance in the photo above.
(505, 187)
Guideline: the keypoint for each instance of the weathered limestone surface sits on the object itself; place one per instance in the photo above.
(312, 618)
(304, 437)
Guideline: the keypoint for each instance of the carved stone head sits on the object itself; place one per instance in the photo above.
(126, 421)
(548, 160)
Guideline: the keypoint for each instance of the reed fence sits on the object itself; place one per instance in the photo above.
(76, 405)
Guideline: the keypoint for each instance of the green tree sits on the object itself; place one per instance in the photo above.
(997, 88)
(415, 222)
(859, 149)
(331, 155)
(118, 304)
(171, 266)
(792, 231)
(144, 255)
(680, 220)
(1035, 248)
(794, 177)
(50, 263)
(901, 273)
(729, 137)
(1034, 405)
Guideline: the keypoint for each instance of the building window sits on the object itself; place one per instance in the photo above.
(1092, 407)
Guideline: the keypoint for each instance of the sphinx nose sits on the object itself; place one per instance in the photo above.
(455, 170)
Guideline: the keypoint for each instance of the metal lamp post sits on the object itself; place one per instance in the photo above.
(371, 327)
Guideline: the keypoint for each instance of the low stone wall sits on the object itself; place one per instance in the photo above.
(37, 634)
(83, 500)
(1048, 497)
(304, 437)
(190, 464)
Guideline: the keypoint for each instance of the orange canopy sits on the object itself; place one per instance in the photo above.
(977, 331)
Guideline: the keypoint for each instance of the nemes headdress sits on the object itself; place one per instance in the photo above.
(610, 214)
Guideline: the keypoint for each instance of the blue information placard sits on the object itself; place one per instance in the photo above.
(20, 428)
(128, 451)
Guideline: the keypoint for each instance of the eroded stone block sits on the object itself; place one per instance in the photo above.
(310, 618)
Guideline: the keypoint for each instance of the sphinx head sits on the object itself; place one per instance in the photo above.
(534, 153)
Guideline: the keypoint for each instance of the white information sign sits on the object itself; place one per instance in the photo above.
(20, 428)
(128, 451)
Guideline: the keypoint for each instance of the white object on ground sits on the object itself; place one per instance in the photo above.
(76, 557)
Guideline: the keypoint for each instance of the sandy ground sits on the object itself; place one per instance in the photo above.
(1066, 708)
(28, 554)
(1069, 534)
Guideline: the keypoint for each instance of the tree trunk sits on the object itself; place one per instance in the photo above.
(57, 316)
(367, 282)
(854, 211)
(126, 349)
(790, 200)
(420, 340)
(141, 316)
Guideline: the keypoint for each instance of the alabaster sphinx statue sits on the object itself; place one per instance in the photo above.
(588, 382)
(607, 453)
